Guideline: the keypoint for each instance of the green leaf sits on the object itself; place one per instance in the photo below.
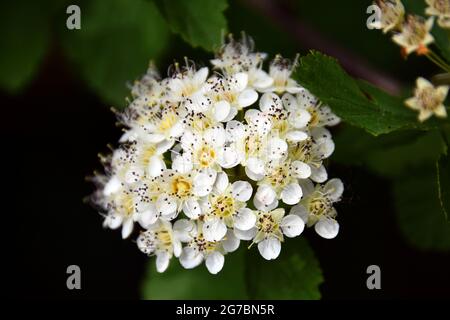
(24, 41)
(419, 211)
(295, 274)
(117, 40)
(198, 283)
(358, 103)
(199, 22)
(390, 155)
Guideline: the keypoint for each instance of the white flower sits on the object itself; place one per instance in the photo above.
(238, 56)
(440, 9)
(270, 228)
(230, 95)
(312, 152)
(415, 35)
(199, 249)
(428, 100)
(163, 241)
(207, 150)
(120, 207)
(391, 17)
(280, 71)
(187, 87)
(316, 207)
(225, 207)
(319, 115)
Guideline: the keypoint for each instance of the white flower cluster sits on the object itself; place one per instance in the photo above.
(207, 159)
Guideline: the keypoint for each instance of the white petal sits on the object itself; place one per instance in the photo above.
(300, 211)
(247, 98)
(112, 186)
(155, 166)
(300, 170)
(127, 228)
(265, 207)
(242, 190)
(214, 262)
(176, 130)
(191, 208)
(190, 258)
(201, 75)
(291, 194)
(265, 194)
(162, 261)
(334, 188)
(184, 230)
(215, 136)
(245, 219)
(319, 174)
(229, 157)
(262, 80)
(327, 228)
(256, 166)
(113, 221)
(300, 118)
(147, 217)
(292, 225)
(270, 102)
(221, 110)
(166, 206)
(296, 136)
(231, 242)
(269, 248)
(203, 183)
(235, 130)
(289, 102)
(245, 235)
(276, 148)
(177, 247)
(214, 229)
(240, 80)
(182, 163)
(221, 182)
(307, 187)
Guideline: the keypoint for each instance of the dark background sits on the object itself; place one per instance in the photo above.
(53, 130)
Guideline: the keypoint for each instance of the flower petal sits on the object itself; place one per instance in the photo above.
(327, 228)
(162, 261)
(245, 219)
(242, 190)
(231, 242)
(190, 258)
(269, 248)
(291, 194)
(292, 225)
(191, 208)
(214, 262)
(247, 98)
(214, 229)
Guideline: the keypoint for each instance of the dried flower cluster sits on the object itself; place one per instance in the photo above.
(210, 159)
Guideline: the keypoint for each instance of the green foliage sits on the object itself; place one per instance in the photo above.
(296, 274)
(198, 283)
(443, 179)
(24, 41)
(357, 103)
(390, 155)
(112, 49)
(419, 211)
(201, 23)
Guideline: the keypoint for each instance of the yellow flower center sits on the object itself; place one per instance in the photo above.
(181, 187)
(206, 156)
(429, 99)
(167, 122)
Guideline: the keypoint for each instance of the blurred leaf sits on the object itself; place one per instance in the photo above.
(24, 41)
(373, 110)
(419, 212)
(390, 155)
(199, 22)
(198, 283)
(117, 40)
(295, 274)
